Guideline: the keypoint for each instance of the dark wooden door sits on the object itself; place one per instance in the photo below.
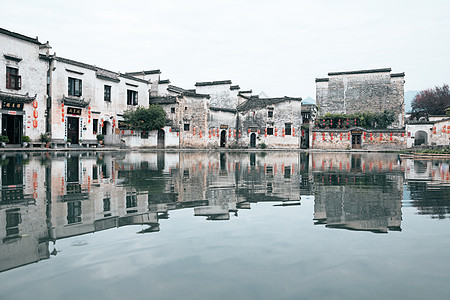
(72, 129)
(356, 141)
(253, 140)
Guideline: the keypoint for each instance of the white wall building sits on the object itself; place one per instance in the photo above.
(23, 86)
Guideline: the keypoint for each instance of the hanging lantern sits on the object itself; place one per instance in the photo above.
(259, 131)
(35, 104)
(62, 120)
(62, 104)
(35, 123)
(248, 130)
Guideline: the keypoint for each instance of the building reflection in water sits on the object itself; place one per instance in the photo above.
(46, 197)
(358, 191)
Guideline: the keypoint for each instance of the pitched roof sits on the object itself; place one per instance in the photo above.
(206, 83)
(20, 36)
(360, 72)
(183, 92)
(163, 100)
(256, 102)
(150, 72)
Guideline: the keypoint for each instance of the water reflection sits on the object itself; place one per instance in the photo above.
(46, 197)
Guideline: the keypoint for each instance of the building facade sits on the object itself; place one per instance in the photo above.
(353, 92)
(71, 102)
(23, 88)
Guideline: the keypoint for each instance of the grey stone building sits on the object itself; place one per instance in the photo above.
(351, 92)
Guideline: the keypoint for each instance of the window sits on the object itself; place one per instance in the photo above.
(74, 212)
(131, 202)
(13, 220)
(269, 131)
(172, 110)
(132, 97)
(107, 94)
(287, 128)
(94, 126)
(13, 79)
(106, 204)
(186, 127)
(270, 113)
(74, 87)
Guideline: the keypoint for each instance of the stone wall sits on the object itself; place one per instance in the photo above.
(359, 91)
(327, 139)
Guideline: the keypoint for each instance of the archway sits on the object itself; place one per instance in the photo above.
(161, 138)
(106, 128)
(223, 138)
(420, 138)
(253, 140)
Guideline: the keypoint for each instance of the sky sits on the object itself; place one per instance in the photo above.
(278, 47)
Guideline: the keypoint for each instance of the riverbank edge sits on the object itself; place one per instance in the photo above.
(118, 149)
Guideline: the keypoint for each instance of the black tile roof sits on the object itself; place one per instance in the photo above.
(398, 74)
(16, 97)
(322, 79)
(21, 36)
(256, 102)
(133, 78)
(107, 75)
(163, 100)
(206, 83)
(231, 110)
(164, 81)
(360, 72)
(150, 72)
(234, 87)
(183, 92)
(77, 102)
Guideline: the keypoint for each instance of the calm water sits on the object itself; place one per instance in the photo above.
(275, 225)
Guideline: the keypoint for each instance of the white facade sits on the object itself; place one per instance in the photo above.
(95, 112)
(20, 91)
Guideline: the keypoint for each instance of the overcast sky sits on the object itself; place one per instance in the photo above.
(275, 46)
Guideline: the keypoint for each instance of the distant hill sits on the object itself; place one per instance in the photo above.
(308, 100)
(409, 97)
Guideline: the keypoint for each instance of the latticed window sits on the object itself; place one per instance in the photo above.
(132, 97)
(13, 79)
(74, 87)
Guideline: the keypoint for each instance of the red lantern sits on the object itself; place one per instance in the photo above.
(248, 130)
(35, 123)
(259, 131)
(35, 114)
(62, 104)
(35, 104)
(62, 120)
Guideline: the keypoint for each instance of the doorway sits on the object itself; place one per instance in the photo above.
(421, 138)
(73, 129)
(356, 141)
(223, 138)
(12, 126)
(253, 140)
(161, 136)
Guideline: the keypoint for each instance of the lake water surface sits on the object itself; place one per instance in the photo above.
(221, 225)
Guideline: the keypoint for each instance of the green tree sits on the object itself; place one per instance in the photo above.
(145, 119)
